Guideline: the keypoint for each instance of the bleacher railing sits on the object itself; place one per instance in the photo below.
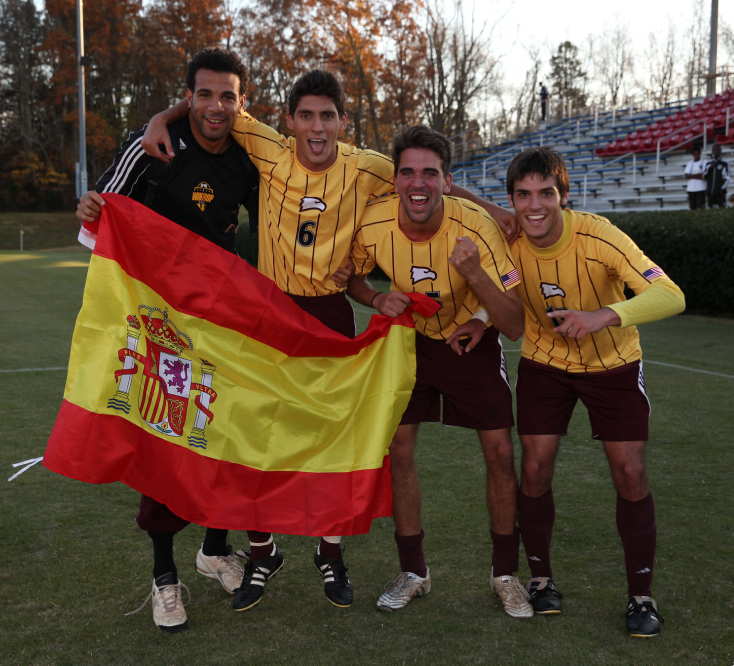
(618, 159)
(688, 139)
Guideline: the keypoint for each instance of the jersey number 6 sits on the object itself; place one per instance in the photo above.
(306, 237)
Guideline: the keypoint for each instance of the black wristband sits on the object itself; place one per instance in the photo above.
(373, 299)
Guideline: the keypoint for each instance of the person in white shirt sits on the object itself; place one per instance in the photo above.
(696, 187)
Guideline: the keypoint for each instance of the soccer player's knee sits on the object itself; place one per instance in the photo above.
(501, 461)
(537, 475)
(632, 480)
(401, 452)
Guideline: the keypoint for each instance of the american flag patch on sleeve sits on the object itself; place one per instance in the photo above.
(512, 278)
(654, 272)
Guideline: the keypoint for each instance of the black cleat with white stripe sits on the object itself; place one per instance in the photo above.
(643, 619)
(257, 573)
(544, 597)
(336, 583)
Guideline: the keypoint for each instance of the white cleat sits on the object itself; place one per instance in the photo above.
(226, 569)
(514, 596)
(401, 589)
(169, 613)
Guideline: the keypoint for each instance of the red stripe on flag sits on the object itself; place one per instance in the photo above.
(200, 279)
(215, 493)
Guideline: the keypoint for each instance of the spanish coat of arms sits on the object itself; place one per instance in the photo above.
(166, 382)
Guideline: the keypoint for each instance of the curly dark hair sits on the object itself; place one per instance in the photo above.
(422, 136)
(218, 60)
(321, 83)
(543, 162)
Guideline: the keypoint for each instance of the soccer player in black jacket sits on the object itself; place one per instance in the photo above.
(201, 189)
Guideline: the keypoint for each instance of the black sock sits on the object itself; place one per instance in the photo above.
(215, 542)
(163, 554)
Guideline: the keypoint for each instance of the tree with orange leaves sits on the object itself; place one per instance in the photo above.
(404, 62)
(278, 41)
(350, 33)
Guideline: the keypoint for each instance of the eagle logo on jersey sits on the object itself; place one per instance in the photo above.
(550, 289)
(312, 203)
(420, 273)
(203, 194)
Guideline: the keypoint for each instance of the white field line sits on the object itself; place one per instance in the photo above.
(33, 369)
(683, 367)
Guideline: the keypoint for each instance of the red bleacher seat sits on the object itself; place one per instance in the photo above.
(649, 145)
(726, 139)
(670, 141)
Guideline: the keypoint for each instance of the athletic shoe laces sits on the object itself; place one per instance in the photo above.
(231, 564)
(340, 572)
(169, 596)
(398, 583)
(636, 608)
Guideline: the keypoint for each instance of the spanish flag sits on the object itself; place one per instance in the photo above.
(196, 381)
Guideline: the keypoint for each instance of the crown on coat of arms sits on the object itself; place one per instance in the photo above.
(132, 320)
(163, 332)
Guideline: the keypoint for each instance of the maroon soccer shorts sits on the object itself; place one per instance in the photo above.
(334, 311)
(474, 387)
(619, 410)
(157, 517)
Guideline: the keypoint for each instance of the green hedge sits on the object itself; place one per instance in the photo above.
(696, 250)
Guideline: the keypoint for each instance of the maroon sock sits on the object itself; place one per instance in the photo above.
(636, 526)
(258, 552)
(536, 516)
(505, 553)
(410, 551)
(330, 550)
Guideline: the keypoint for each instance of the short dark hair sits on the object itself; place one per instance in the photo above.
(421, 136)
(218, 60)
(543, 162)
(320, 83)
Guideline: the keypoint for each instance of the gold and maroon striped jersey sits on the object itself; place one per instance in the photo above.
(585, 270)
(307, 218)
(424, 267)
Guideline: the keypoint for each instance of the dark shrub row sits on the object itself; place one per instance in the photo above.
(695, 248)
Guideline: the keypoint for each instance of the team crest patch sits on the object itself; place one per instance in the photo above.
(203, 194)
(550, 290)
(420, 273)
(166, 384)
(312, 203)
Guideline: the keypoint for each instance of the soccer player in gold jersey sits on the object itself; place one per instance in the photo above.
(453, 252)
(581, 343)
(314, 189)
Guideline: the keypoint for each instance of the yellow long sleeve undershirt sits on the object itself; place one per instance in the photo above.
(660, 300)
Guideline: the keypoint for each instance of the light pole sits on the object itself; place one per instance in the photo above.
(82, 165)
(711, 79)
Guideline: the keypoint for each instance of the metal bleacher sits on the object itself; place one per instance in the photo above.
(632, 182)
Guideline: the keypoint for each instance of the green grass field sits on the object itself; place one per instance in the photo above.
(41, 231)
(74, 561)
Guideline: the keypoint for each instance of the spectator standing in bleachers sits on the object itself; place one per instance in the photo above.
(543, 100)
(717, 177)
(696, 187)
